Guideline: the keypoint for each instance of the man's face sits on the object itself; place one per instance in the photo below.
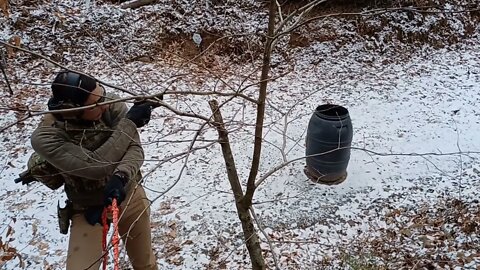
(96, 96)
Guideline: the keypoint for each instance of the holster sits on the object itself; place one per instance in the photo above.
(64, 216)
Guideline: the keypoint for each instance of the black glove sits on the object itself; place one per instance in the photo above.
(115, 188)
(93, 215)
(141, 112)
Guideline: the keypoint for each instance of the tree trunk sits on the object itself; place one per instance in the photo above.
(249, 232)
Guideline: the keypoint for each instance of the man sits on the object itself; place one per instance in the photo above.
(98, 154)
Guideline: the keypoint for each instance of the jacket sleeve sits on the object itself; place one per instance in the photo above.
(53, 145)
(134, 156)
(132, 160)
(116, 112)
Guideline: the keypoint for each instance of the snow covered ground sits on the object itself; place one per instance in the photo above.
(415, 151)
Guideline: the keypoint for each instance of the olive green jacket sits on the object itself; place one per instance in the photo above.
(87, 153)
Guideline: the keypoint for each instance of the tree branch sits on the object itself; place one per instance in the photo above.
(252, 240)
(227, 151)
(137, 3)
(280, 166)
(152, 98)
(62, 66)
(372, 12)
(261, 107)
(269, 241)
(196, 93)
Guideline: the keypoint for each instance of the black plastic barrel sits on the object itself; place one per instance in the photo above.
(329, 137)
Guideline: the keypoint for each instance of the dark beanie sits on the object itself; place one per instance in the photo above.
(72, 87)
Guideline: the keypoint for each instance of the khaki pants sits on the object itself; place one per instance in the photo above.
(85, 244)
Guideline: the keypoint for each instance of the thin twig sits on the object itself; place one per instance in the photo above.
(187, 155)
(153, 98)
(171, 157)
(196, 93)
(260, 227)
(372, 12)
(272, 171)
(63, 67)
(113, 59)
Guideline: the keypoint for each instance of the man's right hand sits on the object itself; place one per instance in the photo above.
(141, 112)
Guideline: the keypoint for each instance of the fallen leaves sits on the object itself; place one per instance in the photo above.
(4, 7)
(7, 252)
(15, 41)
(427, 236)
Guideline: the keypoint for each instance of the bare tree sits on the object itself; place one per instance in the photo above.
(243, 201)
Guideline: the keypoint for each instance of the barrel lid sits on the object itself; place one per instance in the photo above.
(332, 112)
